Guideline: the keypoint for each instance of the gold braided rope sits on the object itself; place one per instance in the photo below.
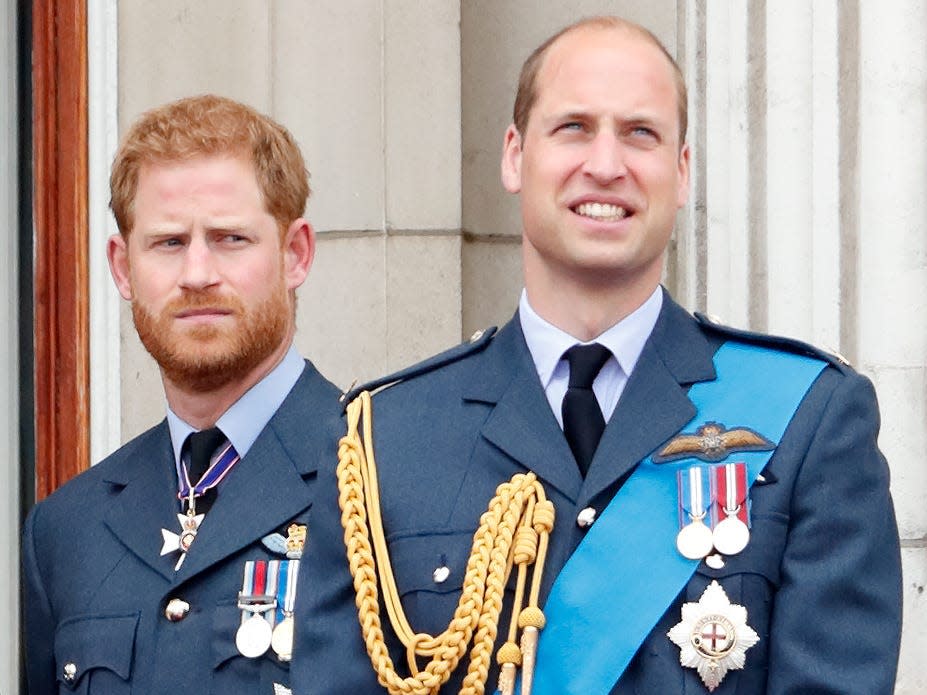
(513, 530)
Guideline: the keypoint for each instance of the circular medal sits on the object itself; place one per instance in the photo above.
(713, 636)
(282, 640)
(694, 541)
(253, 637)
(731, 535)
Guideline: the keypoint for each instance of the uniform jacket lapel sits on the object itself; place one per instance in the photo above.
(521, 423)
(145, 499)
(268, 487)
(654, 405)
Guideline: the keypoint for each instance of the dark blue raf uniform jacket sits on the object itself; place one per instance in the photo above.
(95, 584)
(820, 578)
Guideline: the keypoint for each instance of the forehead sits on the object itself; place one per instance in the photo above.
(214, 175)
(609, 67)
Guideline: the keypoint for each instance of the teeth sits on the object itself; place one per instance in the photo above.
(602, 211)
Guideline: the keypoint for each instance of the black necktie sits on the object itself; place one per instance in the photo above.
(202, 445)
(583, 422)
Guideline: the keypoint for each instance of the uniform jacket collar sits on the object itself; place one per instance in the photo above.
(268, 487)
(653, 407)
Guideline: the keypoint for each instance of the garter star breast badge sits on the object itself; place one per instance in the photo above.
(713, 636)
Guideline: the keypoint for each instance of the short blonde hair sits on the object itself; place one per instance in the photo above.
(212, 125)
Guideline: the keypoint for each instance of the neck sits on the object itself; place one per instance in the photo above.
(202, 409)
(585, 309)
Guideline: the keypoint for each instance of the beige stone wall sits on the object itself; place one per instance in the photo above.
(371, 90)
(808, 209)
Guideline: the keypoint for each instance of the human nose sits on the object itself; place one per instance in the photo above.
(199, 266)
(606, 158)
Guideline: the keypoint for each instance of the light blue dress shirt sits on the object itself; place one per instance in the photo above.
(625, 339)
(244, 420)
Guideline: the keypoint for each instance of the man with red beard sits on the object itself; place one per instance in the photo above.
(174, 562)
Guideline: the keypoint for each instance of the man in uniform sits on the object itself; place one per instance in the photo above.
(723, 518)
(172, 565)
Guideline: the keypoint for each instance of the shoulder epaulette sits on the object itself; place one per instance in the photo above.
(476, 343)
(775, 341)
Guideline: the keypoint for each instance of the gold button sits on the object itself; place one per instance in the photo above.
(441, 574)
(476, 336)
(176, 610)
(585, 518)
(69, 672)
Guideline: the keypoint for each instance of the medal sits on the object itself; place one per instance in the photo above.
(694, 540)
(189, 525)
(190, 521)
(713, 636)
(282, 640)
(257, 602)
(731, 533)
(253, 637)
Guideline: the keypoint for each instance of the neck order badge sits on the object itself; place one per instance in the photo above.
(209, 463)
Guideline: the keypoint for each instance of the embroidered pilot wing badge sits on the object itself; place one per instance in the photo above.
(291, 545)
(712, 442)
(713, 636)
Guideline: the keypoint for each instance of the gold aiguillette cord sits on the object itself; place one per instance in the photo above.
(514, 530)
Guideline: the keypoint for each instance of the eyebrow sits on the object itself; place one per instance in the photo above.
(226, 226)
(580, 114)
(164, 230)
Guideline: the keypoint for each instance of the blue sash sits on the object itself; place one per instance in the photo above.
(594, 630)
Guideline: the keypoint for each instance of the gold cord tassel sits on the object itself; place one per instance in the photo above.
(514, 530)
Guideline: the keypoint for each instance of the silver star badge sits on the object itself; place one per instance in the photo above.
(189, 524)
(713, 636)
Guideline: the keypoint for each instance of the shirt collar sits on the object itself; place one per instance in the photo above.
(625, 339)
(244, 420)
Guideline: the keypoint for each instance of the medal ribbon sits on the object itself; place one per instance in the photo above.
(272, 587)
(694, 492)
(593, 631)
(286, 588)
(260, 579)
(730, 481)
(215, 474)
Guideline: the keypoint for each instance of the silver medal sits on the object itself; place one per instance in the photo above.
(731, 535)
(282, 639)
(253, 637)
(694, 540)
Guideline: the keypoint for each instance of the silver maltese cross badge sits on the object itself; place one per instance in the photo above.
(713, 636)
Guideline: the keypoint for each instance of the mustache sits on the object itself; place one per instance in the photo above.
(192, 300)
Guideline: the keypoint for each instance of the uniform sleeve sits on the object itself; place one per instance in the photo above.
(836, 621)
(39, 623)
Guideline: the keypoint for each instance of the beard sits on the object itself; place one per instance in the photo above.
(206, 357)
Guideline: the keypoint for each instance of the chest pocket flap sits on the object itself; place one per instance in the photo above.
(90, 642)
